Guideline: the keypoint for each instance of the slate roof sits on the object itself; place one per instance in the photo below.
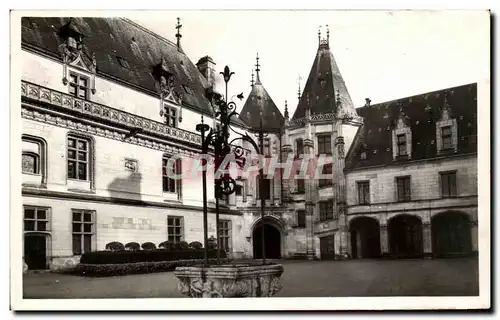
(323, 85)
(422, 112)
(113, 38)
(259, 99)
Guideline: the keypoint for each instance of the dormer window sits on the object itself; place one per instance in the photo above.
(446, 138)
(171, 116)
(402, 145)
(401, 138)
(363, 155)
(78, 85)
(446, 130)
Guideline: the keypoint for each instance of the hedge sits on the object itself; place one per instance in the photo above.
(148, 246)
(115, 246)
(122, 269)
(157, 255)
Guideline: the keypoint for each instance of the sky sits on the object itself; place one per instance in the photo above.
(382, 55)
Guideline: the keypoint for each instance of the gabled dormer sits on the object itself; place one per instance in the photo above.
(79, 69)
(401, 137)
(446, 130)
(170, 100)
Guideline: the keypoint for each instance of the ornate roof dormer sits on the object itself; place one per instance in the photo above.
(165, 80)
(446, 109)
(72, 53)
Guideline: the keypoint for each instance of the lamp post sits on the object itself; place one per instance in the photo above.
(217, 142)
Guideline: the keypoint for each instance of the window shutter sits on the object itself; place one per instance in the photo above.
(245, 190)
(230, 234)
(453, 184)
(257, 188)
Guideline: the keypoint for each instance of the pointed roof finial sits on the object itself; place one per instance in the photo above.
(178, 26)
(257, 69)
(327, 34)
(319, 35)
(252, 81)
(286, 110)
(298, 90)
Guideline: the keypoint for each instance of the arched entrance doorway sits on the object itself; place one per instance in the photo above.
(365, 237)
(405, 236)
(451, 234)
(272, 239)
(35, 251)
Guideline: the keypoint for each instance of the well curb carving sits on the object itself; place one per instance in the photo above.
(230, 280)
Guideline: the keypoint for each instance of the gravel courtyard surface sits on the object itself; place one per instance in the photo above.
(440, 277)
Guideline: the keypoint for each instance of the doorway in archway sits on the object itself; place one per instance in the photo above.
(272, 240)
(405, 236)
(451, 234)
(35, 251)
(365, 238)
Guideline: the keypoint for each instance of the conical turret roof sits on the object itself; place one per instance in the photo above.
(325, 87)
(260, 112)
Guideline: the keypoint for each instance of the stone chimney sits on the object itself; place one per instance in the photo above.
(206, 66)
(368, 101)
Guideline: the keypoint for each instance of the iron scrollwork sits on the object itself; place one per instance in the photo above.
(217, 140)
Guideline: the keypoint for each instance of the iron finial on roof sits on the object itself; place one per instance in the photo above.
(327, 34)
(298, 90)
(286, 110)
(257, 69)
(319, 35)
(178, 26)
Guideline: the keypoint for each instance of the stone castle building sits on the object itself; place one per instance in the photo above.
(105, 103)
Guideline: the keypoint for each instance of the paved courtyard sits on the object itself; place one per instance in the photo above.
(441, 277)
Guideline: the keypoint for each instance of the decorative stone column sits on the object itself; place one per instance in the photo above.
(340, 192)
(427, 239)
(384, 240)
(309, 204)
(286, 153)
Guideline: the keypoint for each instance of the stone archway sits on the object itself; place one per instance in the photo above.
(451, 234)
(405, 236)
(365, 237)
(272, 233)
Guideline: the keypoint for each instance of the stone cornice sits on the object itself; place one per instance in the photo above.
(58, 108)
(36, 192)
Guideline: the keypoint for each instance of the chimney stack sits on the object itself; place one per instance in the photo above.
(367, 104)
(206, 66)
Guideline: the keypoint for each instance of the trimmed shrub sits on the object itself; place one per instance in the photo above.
(195, 245)
(116, 257)
(183, 245)
(148, 246)
(109, 270)
(115, 246)
(133, 246)
(166, 245)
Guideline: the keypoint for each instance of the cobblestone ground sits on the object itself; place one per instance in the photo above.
(444, 277)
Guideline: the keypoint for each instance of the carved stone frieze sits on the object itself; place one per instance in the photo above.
(63, 122)
(73, 104)
(230, 280)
